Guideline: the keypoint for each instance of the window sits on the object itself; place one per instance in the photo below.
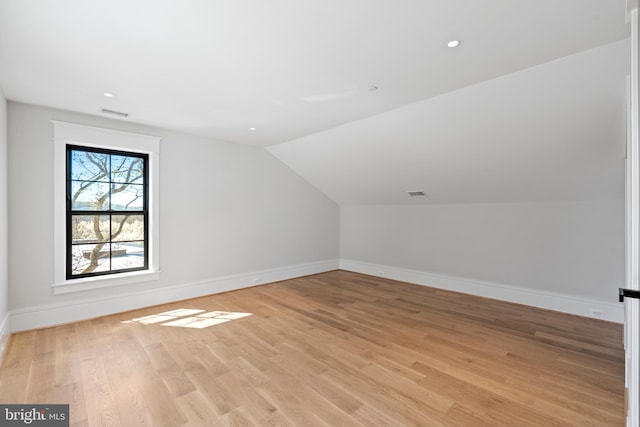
(107, 212)
(106, 208)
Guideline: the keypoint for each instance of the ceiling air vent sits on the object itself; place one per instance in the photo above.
(114, 113)
(417, 193)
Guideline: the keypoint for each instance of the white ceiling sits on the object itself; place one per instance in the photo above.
(297, 70)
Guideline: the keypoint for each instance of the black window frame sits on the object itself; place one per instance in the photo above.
(70, 212)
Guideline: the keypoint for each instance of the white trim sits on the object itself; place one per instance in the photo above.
(55, 314)
(632, 181)
(631, 6)
(64, 133)
(5, 331)
(97, 282)
(543, 299)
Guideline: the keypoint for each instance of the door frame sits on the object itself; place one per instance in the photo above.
(632, 202)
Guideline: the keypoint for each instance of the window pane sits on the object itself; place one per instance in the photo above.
(127, 197)
(90, 196)
(89, 228)
(109, 239)
(89, 166)
(105, 257)
(127, 227)
(90, 258)
(127, 255)
(127, 169)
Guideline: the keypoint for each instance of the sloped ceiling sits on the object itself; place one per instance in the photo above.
(553, 132)
(530, 106)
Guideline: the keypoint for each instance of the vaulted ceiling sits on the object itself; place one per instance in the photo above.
(553, 132)
(362, 98)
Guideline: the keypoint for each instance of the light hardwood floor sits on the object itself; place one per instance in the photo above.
(332, 349)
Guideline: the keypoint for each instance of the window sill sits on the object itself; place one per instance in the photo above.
(90, 283)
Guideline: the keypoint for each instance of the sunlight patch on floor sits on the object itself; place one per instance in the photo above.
(189, 318)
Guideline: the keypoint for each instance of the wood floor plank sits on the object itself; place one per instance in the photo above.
(332, 349)
(284, 396)
(99, 396)
(198, 410)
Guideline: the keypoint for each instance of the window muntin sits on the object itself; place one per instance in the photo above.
(107, 211)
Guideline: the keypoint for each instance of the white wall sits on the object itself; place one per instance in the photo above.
(228, 214)
(572, 249)
(4, 215)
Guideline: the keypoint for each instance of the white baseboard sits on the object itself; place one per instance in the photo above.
(56, 314)
(543, 299)
(5, 331)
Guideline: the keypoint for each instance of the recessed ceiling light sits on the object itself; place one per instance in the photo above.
(252, 128)
(108, 94)
(453, 43)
